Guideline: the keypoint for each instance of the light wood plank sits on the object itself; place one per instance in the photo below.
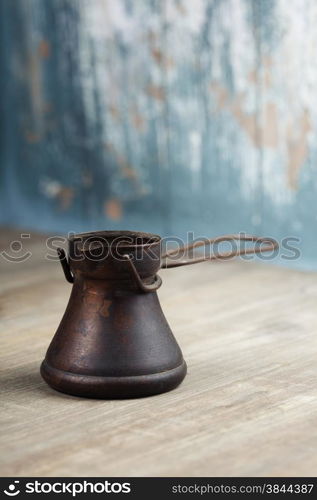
(247, 406)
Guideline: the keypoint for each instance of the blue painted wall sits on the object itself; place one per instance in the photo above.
(163, 115)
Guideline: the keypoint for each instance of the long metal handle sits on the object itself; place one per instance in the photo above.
(144, 287)
(65, 265)
(266, 244)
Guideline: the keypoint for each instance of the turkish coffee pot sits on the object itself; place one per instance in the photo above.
(113, 340)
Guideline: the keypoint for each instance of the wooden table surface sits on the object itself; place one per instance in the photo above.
(248, 405)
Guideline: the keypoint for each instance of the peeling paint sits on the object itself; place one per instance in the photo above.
(54, 189)
(174, 108)
(113, 209)
(34, 73)
(297, 146)
(162, 59)
(31, 137)
(65, 197)
(139, 121)
(44, 49)
(156, 92)
(270, 137)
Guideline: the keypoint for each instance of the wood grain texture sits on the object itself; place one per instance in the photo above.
(248, 405)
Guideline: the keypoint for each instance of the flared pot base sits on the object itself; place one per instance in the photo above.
(90, 386)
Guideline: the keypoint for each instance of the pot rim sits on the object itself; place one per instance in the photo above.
(115, 235)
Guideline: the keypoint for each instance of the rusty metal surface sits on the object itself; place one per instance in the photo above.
(113, 340)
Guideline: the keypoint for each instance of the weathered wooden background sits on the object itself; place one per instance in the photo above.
(162, 115)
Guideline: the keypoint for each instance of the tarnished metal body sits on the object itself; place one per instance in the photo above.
(113, 341)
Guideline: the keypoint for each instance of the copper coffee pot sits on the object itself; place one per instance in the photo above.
(113, 340)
